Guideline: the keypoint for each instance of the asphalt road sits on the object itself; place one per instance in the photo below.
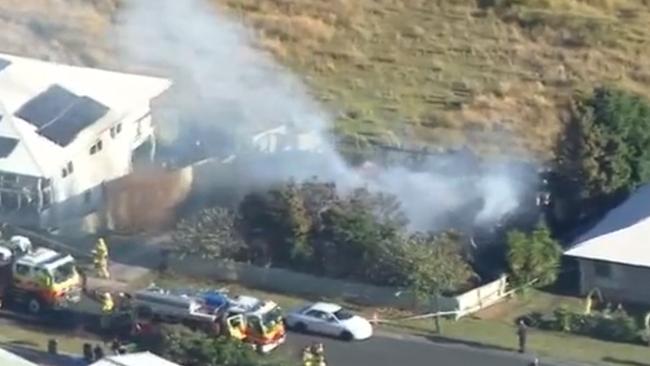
(397, 350)
(383, 349)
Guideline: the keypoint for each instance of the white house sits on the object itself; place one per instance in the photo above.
(614, 256)
(64, 130)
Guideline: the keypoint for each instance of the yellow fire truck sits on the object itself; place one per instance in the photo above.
(245, 318)
(263, 321)
(40, 279)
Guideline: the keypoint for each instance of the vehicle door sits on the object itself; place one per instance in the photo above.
(322, 322)
(235, 326)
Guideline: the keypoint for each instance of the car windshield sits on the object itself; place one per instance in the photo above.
(343, 314)
(64, 272)
(272, 318)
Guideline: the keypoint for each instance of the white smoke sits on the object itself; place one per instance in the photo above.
(221, 78)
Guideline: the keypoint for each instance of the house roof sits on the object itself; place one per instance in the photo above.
(622, 236)
(9, 359)
(134, 359)
(50, 111)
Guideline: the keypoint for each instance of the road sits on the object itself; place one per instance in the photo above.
(403, 350)
(384, 349)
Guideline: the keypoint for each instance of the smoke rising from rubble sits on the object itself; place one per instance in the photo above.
(223, 81)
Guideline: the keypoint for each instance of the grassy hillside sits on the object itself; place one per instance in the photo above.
(452, 73)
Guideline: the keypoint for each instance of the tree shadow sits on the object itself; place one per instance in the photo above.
(478, 345)
(624, 362)
(23, 343)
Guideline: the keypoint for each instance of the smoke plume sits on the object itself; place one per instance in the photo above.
(225, 83)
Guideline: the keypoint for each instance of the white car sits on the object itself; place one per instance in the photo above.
(329, 319)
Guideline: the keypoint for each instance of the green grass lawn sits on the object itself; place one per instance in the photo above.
(495, 327)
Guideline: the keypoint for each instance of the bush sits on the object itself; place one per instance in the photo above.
(617, 326)
(533, 259)
(620, 327)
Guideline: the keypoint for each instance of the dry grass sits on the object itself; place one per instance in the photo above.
(430, 71)
(450, 73)
(63, 30)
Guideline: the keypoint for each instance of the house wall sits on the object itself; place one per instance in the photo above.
(79, 192)
(624, 283)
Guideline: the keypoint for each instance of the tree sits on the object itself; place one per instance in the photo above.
(533, 259)
(281, 218)
(348, 240)
(188, 348)
(430, 265)
(606, 145)
(298, 224)
(433, 263)
(210, 233)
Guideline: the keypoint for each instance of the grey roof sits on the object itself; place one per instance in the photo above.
(4, 63)
(7, 145)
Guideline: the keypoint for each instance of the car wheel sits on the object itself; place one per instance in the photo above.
(346, 336)
(34, 306)
(300, 327)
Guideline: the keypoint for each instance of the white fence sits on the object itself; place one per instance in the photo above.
(480, 297)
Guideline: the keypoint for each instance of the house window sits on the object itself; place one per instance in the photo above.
(97, 147)
(67, 170)
(87, 196)
(603, 270)
(22, 269)
(115, 130)
(47, 198)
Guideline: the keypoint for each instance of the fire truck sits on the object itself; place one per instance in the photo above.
(40, 279)
(245, 318)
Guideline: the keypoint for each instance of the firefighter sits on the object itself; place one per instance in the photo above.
(307, 356)
(100, 254)
(107, 309)
(522, 334)
(319, 355)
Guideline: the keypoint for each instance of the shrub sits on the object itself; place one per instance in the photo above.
(620, 327)
(533, 258)
(617, 326)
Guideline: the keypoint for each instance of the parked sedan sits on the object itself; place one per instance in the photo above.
(329, 319)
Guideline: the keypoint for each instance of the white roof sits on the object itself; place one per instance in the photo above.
(25, 78)
(622, 236)
(39, 255)
(244, 303)
(134, 359)
(326, 307)
(9, 359)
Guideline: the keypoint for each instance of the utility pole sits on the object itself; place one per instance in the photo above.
(436, 304)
